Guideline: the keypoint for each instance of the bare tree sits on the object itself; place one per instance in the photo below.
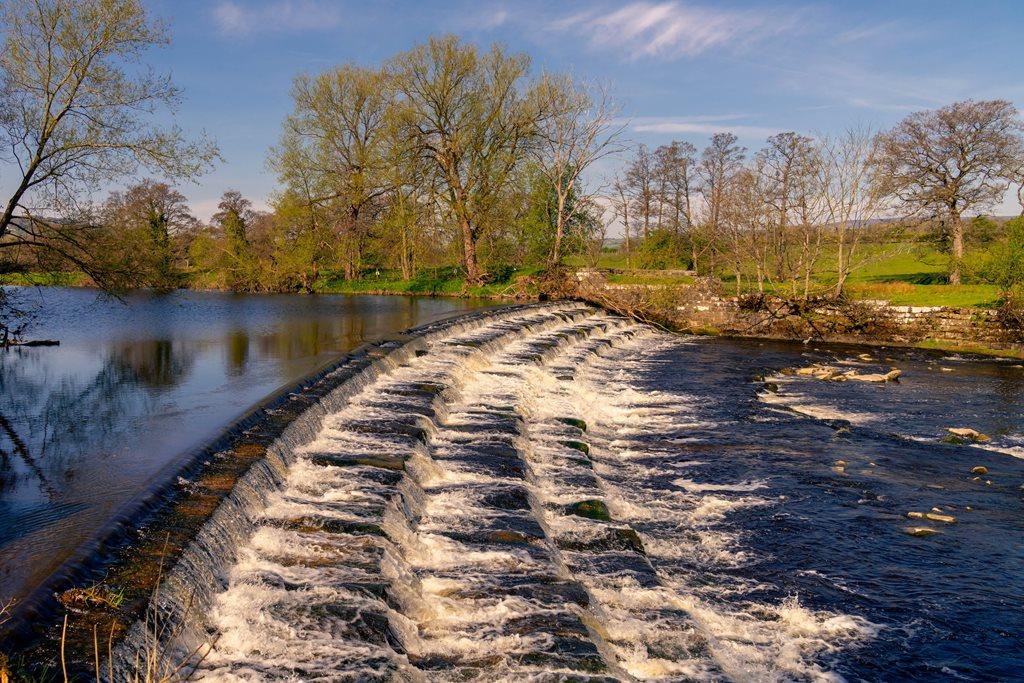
(745, 220)
(578, 131)
(789, 164)
(74, 115)
(948, 161)
(676, 169)
(640, 183)
(718, 162)
(621, 200)
(845, 180)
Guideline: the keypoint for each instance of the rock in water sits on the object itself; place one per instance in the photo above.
(577, 445)
(936, 517)
(591, 509)
(968, 433)
(980, 469)
(920, 531)
(574, 422)
(890, 376)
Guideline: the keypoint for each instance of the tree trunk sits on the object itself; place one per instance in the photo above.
(958, 246)
(405, 260)
(556, 252)
(469, 252)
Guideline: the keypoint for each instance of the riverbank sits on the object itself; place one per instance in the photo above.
(441, 282)
(950, 318)
(695, 309)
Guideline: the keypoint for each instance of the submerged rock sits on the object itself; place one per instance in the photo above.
(577, 445)
(920, 531)
(573, 422)
(968, 433)
(980, 469)
(913, 514)
(591, 509)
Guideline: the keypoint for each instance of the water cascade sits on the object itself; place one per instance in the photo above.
(498, 500)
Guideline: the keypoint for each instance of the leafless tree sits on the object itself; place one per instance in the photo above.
(578, 131)
(640, 183)
(788, 164)
(722, 158)
(676, 170)
(948, 161)
(847, 162)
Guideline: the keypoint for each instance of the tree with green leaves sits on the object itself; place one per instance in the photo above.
(333, 151)
(472, 116)
(76, 114)
(151, 216)
(232, 219)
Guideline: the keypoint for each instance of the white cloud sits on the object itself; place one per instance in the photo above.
(674, 29)
(493, 19)
(246, 18)
(702, 125)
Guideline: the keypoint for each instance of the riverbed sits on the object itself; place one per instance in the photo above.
(136, 385)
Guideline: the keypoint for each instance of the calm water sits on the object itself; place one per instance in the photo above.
(132, 388)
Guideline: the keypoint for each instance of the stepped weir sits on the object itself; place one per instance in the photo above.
(483, 499)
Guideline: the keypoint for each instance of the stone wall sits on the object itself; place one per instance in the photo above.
(700, 308)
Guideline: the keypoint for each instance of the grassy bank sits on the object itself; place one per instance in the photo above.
(439, 282)
(55, 279)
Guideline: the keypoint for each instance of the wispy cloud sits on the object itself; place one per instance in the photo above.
(886, 31)
(674, 29)
(246, 18)
(483, 18)
(702, 125)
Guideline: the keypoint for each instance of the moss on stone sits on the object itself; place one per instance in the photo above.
(591, 509)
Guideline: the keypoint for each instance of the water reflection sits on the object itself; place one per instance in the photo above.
(85, 425)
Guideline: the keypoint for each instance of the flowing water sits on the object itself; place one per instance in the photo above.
(560, 494)
(133, 387)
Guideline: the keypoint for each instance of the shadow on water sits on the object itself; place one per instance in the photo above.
(84, 426)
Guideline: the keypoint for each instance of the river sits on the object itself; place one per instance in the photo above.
(135, 386)
(557, 494)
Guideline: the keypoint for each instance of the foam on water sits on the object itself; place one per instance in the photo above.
(438, 528)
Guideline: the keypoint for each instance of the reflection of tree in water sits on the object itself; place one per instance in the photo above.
(154, 363)
(237, 352)
(51, 422)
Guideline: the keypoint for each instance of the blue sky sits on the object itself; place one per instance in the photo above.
(678, 69)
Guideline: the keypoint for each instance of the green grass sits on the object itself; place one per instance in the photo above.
(903, 294)
(978, 349)
(905, 274)
(440, 282)
(55, 279)
(901, 262)
(655, 278)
